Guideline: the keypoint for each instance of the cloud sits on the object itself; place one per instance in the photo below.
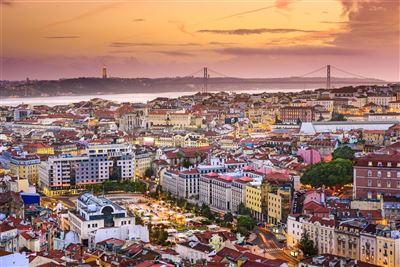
(333, 22)
(253, 31)
(8, 3)
(122, 51)
(129, 44)
(221, 43)
(279, 4)
(176, 53)
(132, 44)
(62, 37)
(371, 24)
(295, 51)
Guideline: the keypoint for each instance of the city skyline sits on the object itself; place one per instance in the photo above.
(176, 38)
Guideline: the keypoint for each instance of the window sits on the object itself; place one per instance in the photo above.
(369, 195)
(389, 184)
(379, 174)
(389, 174)
(379, 164)
(369, 163)
(369, 173)
(378, 183)
(369, 182)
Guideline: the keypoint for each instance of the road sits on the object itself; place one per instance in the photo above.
(274, 248)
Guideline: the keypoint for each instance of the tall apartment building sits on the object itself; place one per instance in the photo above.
(377, 174)
(25, 166)
(278, 205)
(221, 198)
(66, 173)
(239, 191)
(254, 199)
(143, 160)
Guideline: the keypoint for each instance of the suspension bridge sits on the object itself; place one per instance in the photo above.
(206, 73)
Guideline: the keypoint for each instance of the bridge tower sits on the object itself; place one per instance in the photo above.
(205, 80)
(328, 77)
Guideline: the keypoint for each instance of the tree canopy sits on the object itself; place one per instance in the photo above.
(244, 224)
(343, 152)
(149, 172)
(228, 217)
(126, 186)
(206, 211)
(338, 117)
(337, 172)
(158, 235)
(243, 210)
(306, 245)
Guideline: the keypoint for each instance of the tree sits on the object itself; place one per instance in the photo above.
(158, 235)
(149, 172)
(343, 152)
(228, 217)
(334, 173)
(243, 210)
(186, 163)
(163, 236)
(338, 117)
(244, 224)
(138, 219)
(206, 211)
(277, 120)
(306, 245)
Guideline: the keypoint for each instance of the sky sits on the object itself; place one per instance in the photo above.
(52, 39)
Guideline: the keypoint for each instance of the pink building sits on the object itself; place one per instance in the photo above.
(316, 195)
(309, 155)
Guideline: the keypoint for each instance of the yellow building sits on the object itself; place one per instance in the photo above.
(278, 206)
(25, 166)
(178, 119)
(39, 149)
(169, 141)
(253, 200)
(388, 251)
(375, 137)
(195, 140)
(142, 163)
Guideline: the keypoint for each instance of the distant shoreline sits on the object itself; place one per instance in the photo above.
(98, 86)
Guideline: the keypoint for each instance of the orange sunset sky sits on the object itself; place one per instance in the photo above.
(53, 39)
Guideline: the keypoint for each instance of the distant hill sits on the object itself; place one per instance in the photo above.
(90, 86)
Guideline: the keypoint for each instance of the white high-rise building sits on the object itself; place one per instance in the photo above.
(101, 163)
